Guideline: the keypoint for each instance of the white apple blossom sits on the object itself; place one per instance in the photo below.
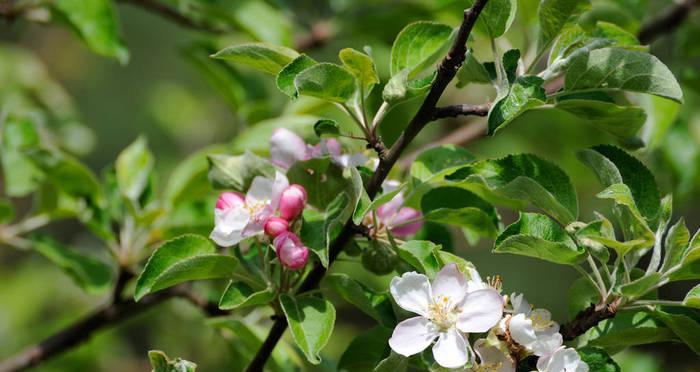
(493, 356)
(237, 217)
(286, 148)
(446, 311)
(533, 329)
(562, 359)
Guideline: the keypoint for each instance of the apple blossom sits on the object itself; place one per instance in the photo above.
(286, 148)
(446, 312)
(290, 251)
(275, 226)
(401, 221)
(533, 329)
(562, 359)
(237, 217)
(493, 356)
(292, 202)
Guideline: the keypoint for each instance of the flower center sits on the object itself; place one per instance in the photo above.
(539, 322)
(256, 207)
(489, 367)
(443, 313)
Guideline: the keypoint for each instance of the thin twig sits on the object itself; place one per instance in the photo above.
(174, 16)
(454, 111)
(667, 22)
(445, 73)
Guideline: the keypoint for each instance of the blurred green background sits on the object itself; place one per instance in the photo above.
(182, 101)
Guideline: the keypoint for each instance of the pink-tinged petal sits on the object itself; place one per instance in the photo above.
(387, 211)
(451, 349)
(286, 148)
(280, 184)
(412, 336)
(330, 146)
(402, 226)
(228, 226)
(275, 226)
(260, 191)
(451, 283)
(290, 251)
(292, 202)
(521, 330)
(228, 200)
(411, 291)
(481, 310)
(256, 225)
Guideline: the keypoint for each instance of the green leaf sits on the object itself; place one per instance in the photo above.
(256, 137)
(285, 78)
(161, 363)
(517, 180)
(628, 328)
(393, 363)
(591, 234)
(472, 71)
(598, 359)
(464, 266)
(237, 172)
(614, 68)
(641, 286)
(323, 180)
(189, 178)
(326, 81)
(692, 298)
(362, 66)
(636, 228)
(95, 21)
(185, 258)
(376, 305)
(613, 165)
(365, 351)
(582, 294)
(7, 211)
(400, 88)
(311, 321)
(526, 93)
(326, 128)
(432, 164)
(554, 15)
(20, 175)
(239, 295)
(133, 166)
(260, 56)
(459, 207)
(690, 264)
(685, 327)
(677, 240)
(89, 273)
(67, 174)
(536, 235)
(421, 254)
(620, 121)
(497, 16)
(418, 46)
(363, 209)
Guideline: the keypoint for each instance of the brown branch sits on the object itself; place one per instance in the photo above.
(445, 73)
(667, 22)
(454, 111)
(587, 319)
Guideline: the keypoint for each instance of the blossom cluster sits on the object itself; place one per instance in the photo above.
(453, 306)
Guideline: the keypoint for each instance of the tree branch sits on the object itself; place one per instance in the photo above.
(587, 319)
(667, 22)
(445, 73)
(453, 111)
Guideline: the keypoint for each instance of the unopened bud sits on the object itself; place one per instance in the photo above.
(275, 226)
(292, 202)
(290, 251)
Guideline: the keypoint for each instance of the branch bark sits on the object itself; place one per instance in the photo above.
(667, 22)
(587, 319)
(446, 71)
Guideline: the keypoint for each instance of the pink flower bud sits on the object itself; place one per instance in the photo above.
(228, 200)
(290, 251)
(275, 226)
(404, 229)
(292, 202)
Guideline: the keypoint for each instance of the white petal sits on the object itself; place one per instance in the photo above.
(492, 355)
(562, 360)
(260, 191)
(411, 291)
(481, 310)
(546, 343)
(229, 226)
(475, 283)
(278, 186)
(521, 330)
(412, 336)
(286, 148)
(450, 351)
(451, 283)
(520, 304)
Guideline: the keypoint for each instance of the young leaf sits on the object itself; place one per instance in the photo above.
(67, 174)
(311, 321)
(20, 175)
(438, 161)
(237, 172)
(554, 15)
(497, 17)
(321, 177)
(133, 167)
(240, 294)
(260, 56)
(364, 208)
(186, 258)
(690, 264)
(472, 71)
(692, 298)
(89, 273)
(326, 128)
(285, 78)
(326, 81)
(459, 207)
(517, 180)
(614, 68)
(393, 363)
(636, 228)
(628, 329)
(581, 295)
(421, 254)
(684, 326)
(96, 23)
(676, 245)
(418, 46)
(365, 351)
(598, 359)
(639, 287)
(526, 93)
(161, 363)
(362, 66)
(536, 235)
(376, 305)
(621, 121)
